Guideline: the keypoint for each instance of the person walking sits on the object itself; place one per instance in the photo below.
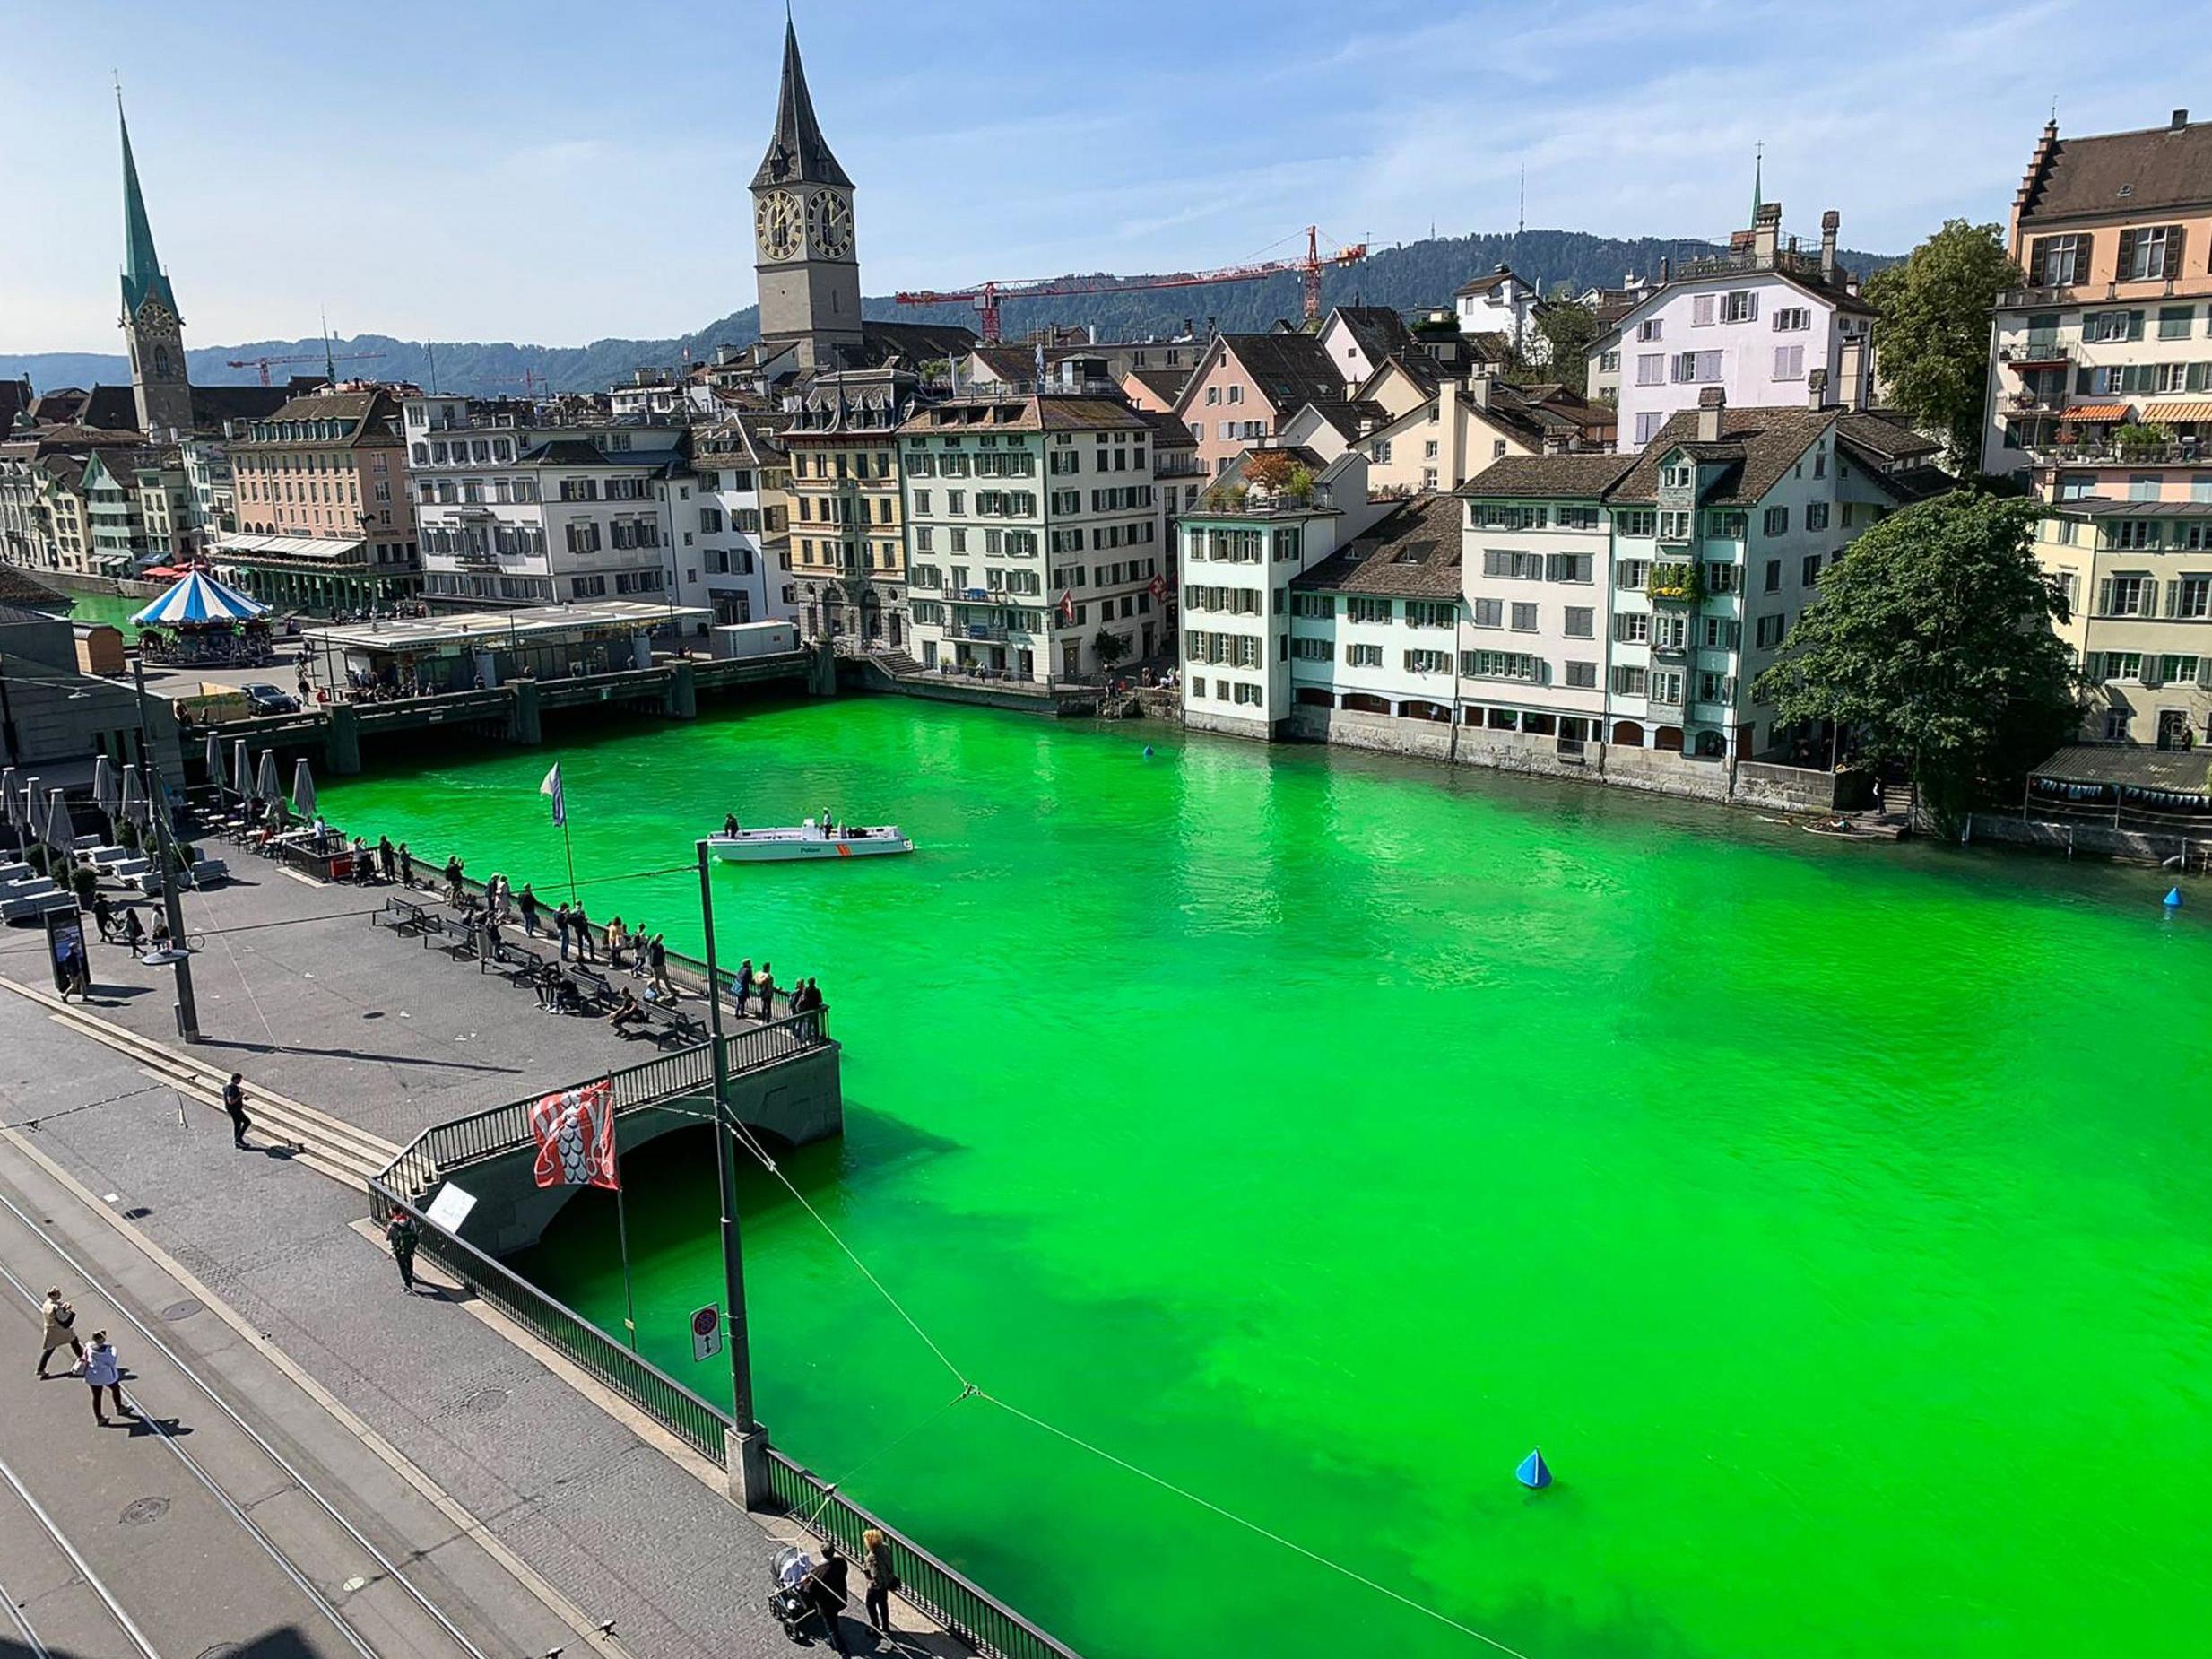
(383, 858)
(103, 917)
(560, 929)
(528, 904)
(134, 932)
(234, 1104)
(404, 1234)
(104, 1369)
(406, 866)
(743, 985)
(882, 1578)
(76, 972)
(658, 950)
(824, 1591)
(638, 935)
(61, 1320)
(765, 984)
(617, 940)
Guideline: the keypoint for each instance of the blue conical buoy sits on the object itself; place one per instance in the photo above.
(2173, 899)
(1534, 1472)
(1148, 752)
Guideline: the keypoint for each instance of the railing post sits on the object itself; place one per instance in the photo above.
(746, 1451)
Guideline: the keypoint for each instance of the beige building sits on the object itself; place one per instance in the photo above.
(848, 554)
(325, 521)
(2138, 580)
(2100, 379)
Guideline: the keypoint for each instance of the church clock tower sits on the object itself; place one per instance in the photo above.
(802, 231)
(150, 325)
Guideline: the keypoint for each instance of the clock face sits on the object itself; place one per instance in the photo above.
(776, 224)
(829, 223)
(154, 316)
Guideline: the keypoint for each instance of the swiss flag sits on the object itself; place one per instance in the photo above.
(1158, 588)
(1067, 604)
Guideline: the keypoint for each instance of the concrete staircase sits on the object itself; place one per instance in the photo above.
(1900, 801)
(325, 1144)
(896, 663)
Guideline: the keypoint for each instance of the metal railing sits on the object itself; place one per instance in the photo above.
(947, 1596)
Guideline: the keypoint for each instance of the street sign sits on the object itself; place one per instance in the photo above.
(706, 1332)
(450, 1208)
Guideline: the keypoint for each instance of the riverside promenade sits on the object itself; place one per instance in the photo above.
(371, 1031)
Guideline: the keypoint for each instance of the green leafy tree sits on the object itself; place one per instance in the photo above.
(1934, 330)
(1567, 329)
(1932, 642)
(1111, 648)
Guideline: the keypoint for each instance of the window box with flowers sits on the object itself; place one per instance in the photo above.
(1678, 581)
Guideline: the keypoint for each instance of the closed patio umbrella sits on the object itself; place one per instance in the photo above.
(131, 804)
(303, 789)
(214, 760)
(7, 794)
(265, 778)
(241, 771)
(27, 809)
(104, 790)
(61, 829)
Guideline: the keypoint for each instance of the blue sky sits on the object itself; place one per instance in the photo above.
(555, 172)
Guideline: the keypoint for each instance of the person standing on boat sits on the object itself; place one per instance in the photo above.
(826, 820)
(729, 825)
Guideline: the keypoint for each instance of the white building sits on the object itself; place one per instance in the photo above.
(742, 519)
(1765, 324)
(1033, 530)
(1502, 303)
(214, 493)
(510, 512)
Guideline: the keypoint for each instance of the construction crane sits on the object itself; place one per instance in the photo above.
(329, 360)
(987, 297)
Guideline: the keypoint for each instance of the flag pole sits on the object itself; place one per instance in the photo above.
(569, 852)
(622, 1233)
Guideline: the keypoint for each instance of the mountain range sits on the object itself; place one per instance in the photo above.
(1407, 276)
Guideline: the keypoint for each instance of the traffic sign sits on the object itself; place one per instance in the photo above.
(706, 1332)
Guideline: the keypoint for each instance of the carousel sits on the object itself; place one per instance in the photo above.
(200, 620)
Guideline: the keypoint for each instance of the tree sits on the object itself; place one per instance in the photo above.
(1111, 646)
(1934, 330)
(1932, 641)
(1269, 468)
(1567, 327)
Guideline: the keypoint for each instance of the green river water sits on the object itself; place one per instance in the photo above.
(1320, 1132)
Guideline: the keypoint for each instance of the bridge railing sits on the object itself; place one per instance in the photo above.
(939, 1589)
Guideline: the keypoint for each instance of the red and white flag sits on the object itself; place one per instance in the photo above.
(574, 1132)
(1157, 589)
(1067, 604)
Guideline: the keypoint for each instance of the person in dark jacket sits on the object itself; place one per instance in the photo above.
(402, 1233)
(824, 1589)
(882, 1578)
(526, 901)
(385, 857)
(234, 1105)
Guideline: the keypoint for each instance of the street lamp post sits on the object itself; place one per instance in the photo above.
(747, 1456)
(172, 908)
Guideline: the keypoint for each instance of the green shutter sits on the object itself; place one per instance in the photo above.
(2176, 236)
(2127, 255)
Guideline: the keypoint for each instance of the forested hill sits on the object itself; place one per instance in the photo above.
(1411, 274)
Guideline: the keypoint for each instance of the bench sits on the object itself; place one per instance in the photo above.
(452, 935)
(403, 917)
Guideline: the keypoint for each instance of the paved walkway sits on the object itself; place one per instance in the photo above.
(317, 1005)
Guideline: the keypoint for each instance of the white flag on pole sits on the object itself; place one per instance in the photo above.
(552, 787)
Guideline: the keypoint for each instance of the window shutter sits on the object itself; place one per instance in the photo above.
(2127, 255)
(2204, 671)
(1751, 313)
(2081, 259)
(2173, 593)
(2104, 597)
(2176, 236)
(2148, 673)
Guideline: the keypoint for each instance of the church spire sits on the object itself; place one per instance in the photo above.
(141, 268)
(798, 153)
(1758, 169)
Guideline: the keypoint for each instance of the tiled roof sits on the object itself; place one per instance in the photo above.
(2159, 169)
(1548, 477)
(1288, 369)
(1026, 414)
(1892, 440)
(1168, 432)
(1763, 443)
(909, 342)
(1380, 330)
(1162, 383)
(1351, 419)
(1484, 285)
(1413, 550)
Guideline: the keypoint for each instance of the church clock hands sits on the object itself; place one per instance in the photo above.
(829, 223)
(776, 224)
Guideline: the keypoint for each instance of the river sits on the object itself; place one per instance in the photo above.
(1319, 1131)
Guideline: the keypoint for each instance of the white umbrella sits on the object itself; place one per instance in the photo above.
(104, 794)
(7, 795)
(241, 771)
(61, 829)
(265, 778)
(303, 789)
(29, 807)
(214, 760)
(131, 807)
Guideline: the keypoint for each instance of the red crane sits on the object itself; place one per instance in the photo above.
(263, 363)
(987, 297)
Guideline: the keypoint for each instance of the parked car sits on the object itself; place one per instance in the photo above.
(269, 700)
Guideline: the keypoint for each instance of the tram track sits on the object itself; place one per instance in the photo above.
(28, 1507)
(376, 1568)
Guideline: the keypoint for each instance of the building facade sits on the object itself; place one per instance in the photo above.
(1035, 534)
(2099, 381)
(325, 518)
(1764, 323)
(1244, 388)
(2136, 576)
(848, 549)
(743, 505)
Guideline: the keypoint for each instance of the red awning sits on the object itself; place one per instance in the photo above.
(2096, 412)
(166, 573)
(2179, 412)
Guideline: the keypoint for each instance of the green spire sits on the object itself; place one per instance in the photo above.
(141, 268)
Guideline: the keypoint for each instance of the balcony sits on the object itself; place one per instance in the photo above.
(2037, 351)
(1674, 583)
(1670, 652)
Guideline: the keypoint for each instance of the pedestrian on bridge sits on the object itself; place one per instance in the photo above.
(402, 1233)
(528, 902)
(560, 930)
(743, 984)
(383, 858)
(104, 1369)
(234, 1104)
(765, 984)
(658, 950)
(61, 1320)
(582, 926)
(406, 866)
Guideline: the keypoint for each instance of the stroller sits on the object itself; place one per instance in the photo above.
(801, 1619)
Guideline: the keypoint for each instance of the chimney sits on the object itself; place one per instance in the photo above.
(1662, 270)
(1830, 223)
(2180, 119)
(1816, 388)
(1850, 369)
(1711, 403)
(1765, 234)
(1478, 390)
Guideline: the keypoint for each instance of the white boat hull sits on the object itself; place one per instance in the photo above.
(764, 847)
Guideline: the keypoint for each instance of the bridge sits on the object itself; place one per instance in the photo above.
(516, 712)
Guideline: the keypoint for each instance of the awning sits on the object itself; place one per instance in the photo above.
(2177, 413)
(2096, 412)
